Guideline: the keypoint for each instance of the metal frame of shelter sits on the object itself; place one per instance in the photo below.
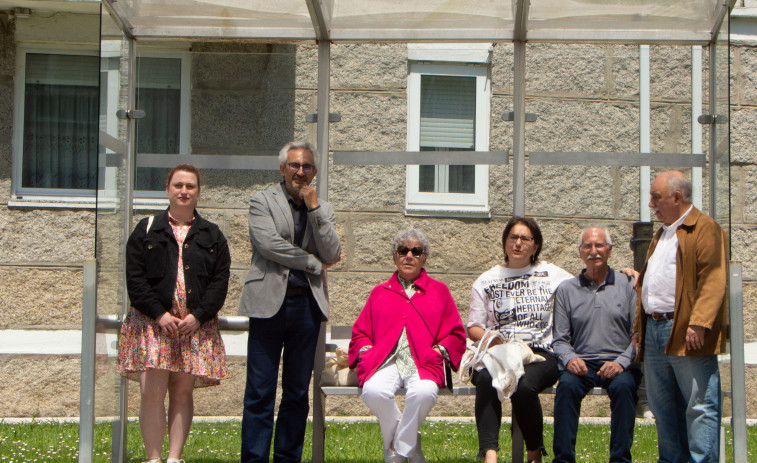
(679, 22)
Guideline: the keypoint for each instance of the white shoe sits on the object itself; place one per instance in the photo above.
(174, 460)
(418, 456)
(391, 456)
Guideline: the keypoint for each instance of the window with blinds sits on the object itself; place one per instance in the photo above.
(448, 109)
(447, 122)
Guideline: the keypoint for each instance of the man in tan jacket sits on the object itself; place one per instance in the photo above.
(678, 329)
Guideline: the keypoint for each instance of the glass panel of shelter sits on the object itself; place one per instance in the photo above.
(230, 126)
(578, 174)
(243, 105)
(113, 215)
(230, 105)
(159, 95)
(732, 369)
(219, 131)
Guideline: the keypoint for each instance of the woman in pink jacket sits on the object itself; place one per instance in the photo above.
(408, 328)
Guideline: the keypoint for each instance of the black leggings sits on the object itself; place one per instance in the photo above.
(525, 403)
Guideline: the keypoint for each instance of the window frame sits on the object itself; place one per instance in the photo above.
(149, 197)
(67, 197)
(18, 192)
(448, 204)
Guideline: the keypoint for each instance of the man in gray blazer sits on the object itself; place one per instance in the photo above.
(294, 241)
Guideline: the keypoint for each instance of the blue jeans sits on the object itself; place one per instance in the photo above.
(684, 396)
(295, 329)
(623, 392)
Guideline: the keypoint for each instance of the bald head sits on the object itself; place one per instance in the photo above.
(670, 196)
(594, 230)
(595, 249)
(677, 181)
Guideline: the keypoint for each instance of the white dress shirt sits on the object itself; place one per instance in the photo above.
(658, 291)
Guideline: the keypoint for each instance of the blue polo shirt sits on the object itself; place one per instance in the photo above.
(595, 322)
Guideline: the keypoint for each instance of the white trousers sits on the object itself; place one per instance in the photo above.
(399, 429)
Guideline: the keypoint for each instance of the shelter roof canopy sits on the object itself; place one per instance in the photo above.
(641, 21)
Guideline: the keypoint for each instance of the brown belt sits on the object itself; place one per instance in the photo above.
(661, 316)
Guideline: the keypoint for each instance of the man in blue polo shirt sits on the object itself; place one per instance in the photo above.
(593, 324)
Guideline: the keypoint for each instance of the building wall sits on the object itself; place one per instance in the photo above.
(252, 98)
(41, 255)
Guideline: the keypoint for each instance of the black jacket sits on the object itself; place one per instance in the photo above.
(152, 260)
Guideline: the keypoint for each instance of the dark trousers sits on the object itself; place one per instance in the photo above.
(525, 403)
(295, 329)
(623, 392)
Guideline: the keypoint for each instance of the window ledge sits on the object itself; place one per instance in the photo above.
(82, 202)
(472, 212)
(451, 52)
(63, 202)
(150, 204)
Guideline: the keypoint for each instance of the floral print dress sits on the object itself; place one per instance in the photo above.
(144, 346)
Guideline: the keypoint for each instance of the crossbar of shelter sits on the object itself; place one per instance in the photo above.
(366, 158)
(625, 159)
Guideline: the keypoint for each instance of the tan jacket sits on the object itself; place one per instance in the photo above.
(701, 266)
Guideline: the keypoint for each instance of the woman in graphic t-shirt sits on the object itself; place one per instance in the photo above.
(516, 299)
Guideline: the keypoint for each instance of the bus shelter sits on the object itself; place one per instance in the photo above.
(518, 136)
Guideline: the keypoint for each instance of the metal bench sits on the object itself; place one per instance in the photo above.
(320, 394)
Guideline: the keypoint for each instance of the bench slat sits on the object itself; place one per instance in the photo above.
(459, 390)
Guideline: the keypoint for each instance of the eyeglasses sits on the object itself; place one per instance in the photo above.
(416, 252)
(523, 238)
(599, 246)
(294, 167)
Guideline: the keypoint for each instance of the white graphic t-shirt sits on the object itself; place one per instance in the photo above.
(518, 302)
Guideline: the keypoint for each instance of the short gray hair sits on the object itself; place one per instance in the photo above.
(608, 238)
(295, 145)
(409, 235)
(680, 183)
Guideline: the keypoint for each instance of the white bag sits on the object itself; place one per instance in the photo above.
(504, 361)
(473, 353)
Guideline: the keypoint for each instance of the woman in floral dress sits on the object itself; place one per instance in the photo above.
(177, 275)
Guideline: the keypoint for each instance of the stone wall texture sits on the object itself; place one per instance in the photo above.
(252, 98)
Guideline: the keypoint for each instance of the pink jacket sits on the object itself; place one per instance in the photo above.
(388, 310)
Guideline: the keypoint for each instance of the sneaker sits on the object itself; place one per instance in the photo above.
(391, 456)
(174, 460)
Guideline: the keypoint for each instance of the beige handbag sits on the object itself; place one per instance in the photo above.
(337, 371)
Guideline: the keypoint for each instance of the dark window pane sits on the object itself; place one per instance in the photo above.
(60, 122)
(159, 95)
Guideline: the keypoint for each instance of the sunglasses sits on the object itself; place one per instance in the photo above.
(416, 252)
(294, 167)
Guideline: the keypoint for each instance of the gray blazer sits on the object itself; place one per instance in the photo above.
(273, 255)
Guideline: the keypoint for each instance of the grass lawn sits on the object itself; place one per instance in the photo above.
(346, 442)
